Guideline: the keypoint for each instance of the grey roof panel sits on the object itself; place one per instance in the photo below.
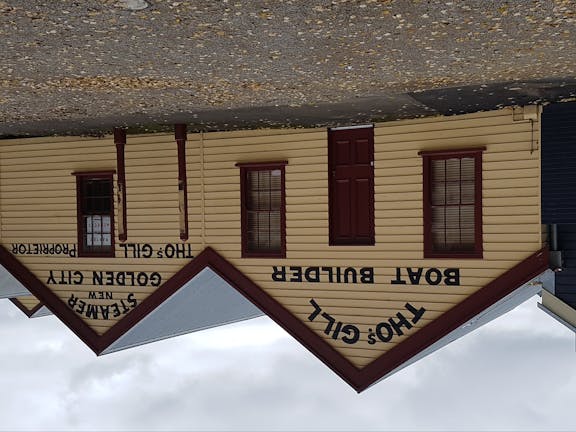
(43, 311)
(9, 286)
(205, 301)
(505, 305)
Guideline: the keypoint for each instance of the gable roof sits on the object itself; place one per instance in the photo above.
(36, 312)
(501, 307)
(359, 379)
(562, 312)
(9, 286)
(194, 298)
(203, 302)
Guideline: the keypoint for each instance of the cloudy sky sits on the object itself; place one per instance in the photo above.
(516, 373)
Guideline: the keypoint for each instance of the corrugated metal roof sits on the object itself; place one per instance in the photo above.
(43, 311)
(511, 301)
(9, 286)
(205, 301)
(561, 311)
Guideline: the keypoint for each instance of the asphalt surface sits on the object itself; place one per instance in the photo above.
(86, 66)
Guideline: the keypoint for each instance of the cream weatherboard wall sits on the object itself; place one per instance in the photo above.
(511, 219)
(38, 205)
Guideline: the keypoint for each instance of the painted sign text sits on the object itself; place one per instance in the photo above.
(347, 333)
(51, 249)
(384, 331)
(104, 278)
(169, 250)
(363, 275)
(99, 311)
(432, 276)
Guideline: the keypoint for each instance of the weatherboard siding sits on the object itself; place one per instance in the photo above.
(511, 218)
(511, 223)
(38, 205)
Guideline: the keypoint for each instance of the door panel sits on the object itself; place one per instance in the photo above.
(351, 186)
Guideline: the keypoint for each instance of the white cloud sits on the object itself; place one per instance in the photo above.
(515, 373)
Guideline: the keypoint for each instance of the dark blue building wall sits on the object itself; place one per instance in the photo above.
(559, 189)
(559, 164)
(566, 279)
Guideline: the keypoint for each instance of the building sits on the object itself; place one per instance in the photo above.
(12, 289)
(372, 245)
(558, 209)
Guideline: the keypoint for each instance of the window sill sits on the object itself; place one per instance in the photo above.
(263, 255)
(355, 243)
(111, 254)
(454, 255)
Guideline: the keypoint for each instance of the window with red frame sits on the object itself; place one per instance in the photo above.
(453, 204)
(95, 207)
(263, 210)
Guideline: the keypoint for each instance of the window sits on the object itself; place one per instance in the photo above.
(263, 210)
(453, 204)
(351, 185)
(95, 206)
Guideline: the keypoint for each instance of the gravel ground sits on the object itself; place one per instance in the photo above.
(74, 62)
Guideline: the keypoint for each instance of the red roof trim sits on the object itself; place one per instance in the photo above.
(98, 343)
(28, 312)
(359, 379)
(48, 298)
(482, 299)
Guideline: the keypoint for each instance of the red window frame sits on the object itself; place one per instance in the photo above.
(245, 169)
(429, 248)
(82, 177)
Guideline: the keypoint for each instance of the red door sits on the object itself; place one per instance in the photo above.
(351, 186)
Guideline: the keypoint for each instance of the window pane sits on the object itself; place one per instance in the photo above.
(438, 171)
(467, 167)
(263, 204)
(263, 180)
(453, 197)
(438, 228)
(452, 227)
(275, 180)
(252, 220)
(467, 192)
(96, 224)
(96, 239)
(453, 193)
(106, 226)
(438, 193)
(264, 200)
(275, 240)
(96, 206)
(263, 221)
(275, 221)
(252, 240)
(453, 170)
(275, 200)
(252, 178)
